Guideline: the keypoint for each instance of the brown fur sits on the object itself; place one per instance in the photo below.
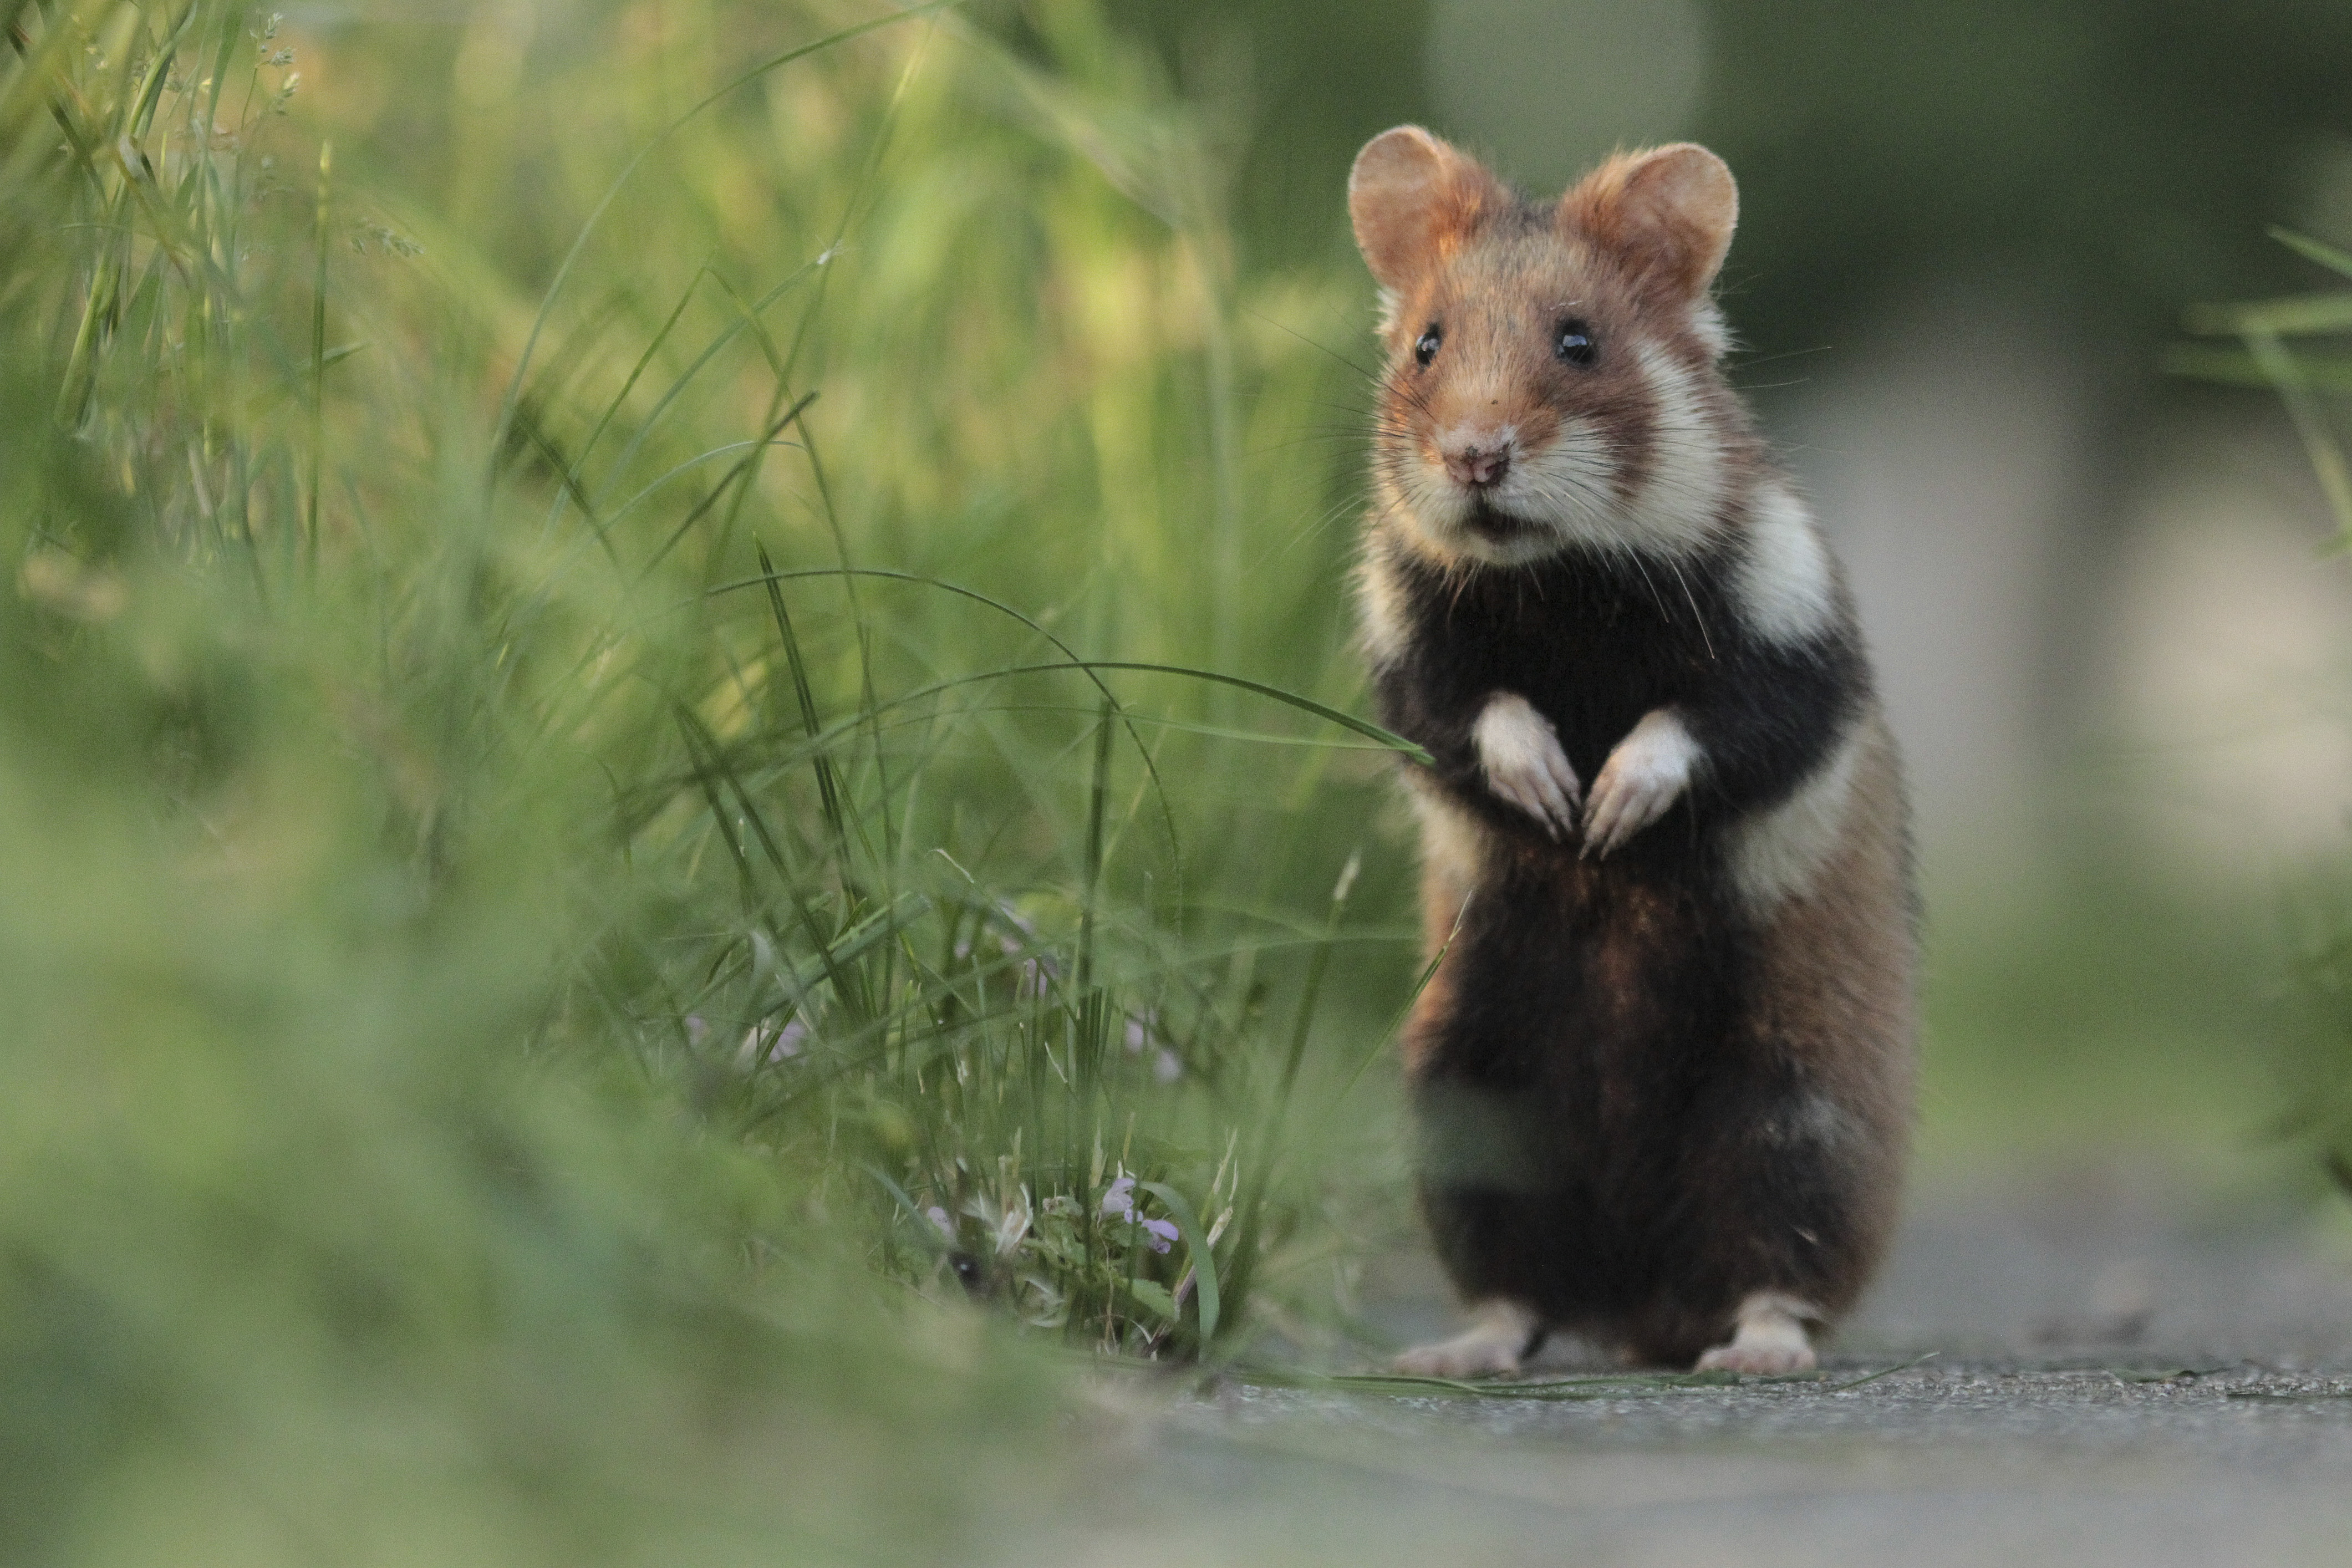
(1836, 991)
(1839, 991)
(1411, 196)
(1667, 213)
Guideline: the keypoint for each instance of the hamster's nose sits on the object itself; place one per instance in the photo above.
(1480, 468)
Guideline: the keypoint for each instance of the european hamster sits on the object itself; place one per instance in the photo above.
(1661, 1081)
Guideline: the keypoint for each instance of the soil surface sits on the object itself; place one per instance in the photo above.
(2112, 1375)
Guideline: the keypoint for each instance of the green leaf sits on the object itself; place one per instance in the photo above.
(2292, 316)
(1196, 1243)
(2330, 373)
(2310, 249)
(2319, 445)
(1154, 1297)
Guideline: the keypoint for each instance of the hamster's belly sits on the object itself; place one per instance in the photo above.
(1584, 1004)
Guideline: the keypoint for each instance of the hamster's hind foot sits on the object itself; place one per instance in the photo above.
(1504, 1334)
(1768, 1340)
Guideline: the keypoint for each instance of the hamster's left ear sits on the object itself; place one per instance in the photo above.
(1411, 196)
(1669, 211)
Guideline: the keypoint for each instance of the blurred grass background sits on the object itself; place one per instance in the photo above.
(677, 680)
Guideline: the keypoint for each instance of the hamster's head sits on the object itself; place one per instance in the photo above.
(1551, 371)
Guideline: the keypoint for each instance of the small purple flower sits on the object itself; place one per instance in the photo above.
(1118, 1203)
(695, 1029)
(764, 1043)
(1137, 1037)
(1167, 1066)
(938, 1217)
(1037, 971)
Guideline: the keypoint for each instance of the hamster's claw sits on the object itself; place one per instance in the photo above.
(1643, 776)
(1524, 764)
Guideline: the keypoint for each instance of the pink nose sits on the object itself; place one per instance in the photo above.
(1479, 468)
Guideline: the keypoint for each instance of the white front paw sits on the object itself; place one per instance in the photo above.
(1645, 774)
(1521, 758)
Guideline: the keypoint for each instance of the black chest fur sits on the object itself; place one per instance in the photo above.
(1593, 643)
(1596, 641)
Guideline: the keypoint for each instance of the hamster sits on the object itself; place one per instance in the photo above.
(1662, 1080)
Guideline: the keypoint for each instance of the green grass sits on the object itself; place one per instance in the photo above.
(660, 720)
(2294, 346)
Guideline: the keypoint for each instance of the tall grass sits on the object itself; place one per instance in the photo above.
(674, 696)
(2294, 347)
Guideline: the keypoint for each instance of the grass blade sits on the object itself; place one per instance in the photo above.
(827, 785)
(1204, 1258)
(596, 216)
(1261, 1178)
(2319, 443)
(318, 358)
(2310, 249)
(2298, 315)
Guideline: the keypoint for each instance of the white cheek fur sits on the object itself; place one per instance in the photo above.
(1782, 577)
(1569, 485)
(1436, 513)
(1709, 327)
(1679, 508)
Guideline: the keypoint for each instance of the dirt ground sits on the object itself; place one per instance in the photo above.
(2119, 1374)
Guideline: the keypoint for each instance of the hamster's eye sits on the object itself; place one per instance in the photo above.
(1574, 343)
(1426, 349)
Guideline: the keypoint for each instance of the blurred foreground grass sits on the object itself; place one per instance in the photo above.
(570, 892)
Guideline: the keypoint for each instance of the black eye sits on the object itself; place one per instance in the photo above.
(1426, 349)
(1575, 343)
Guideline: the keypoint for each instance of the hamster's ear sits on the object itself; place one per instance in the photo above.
(1409, 194)
(1669, 212)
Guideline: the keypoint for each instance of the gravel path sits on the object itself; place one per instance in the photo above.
(2120, 1377)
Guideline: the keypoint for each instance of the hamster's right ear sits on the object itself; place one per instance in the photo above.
(1409, 194)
